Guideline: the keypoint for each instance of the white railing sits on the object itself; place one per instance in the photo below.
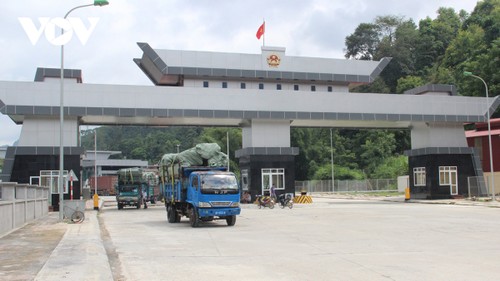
(20, 204)
(346, 185)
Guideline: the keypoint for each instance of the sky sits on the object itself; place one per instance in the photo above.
(312, 28)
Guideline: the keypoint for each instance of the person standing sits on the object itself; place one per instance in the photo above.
(144, 198)
(273, 193)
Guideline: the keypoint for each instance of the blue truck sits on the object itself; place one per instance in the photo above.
(201, 193)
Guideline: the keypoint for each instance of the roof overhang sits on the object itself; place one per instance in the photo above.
(169, 67)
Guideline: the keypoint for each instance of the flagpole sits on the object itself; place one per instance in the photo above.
(264, 34)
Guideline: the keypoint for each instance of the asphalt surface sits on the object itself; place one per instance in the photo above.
(99, 249)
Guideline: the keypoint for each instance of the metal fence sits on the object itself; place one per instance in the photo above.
(347, 185)
(477, 186)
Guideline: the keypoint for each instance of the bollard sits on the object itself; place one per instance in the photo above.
(407, 194)
(96, 201)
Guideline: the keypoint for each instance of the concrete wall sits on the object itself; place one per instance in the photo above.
(38, 131)
(20, 204)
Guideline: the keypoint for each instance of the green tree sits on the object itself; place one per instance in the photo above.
(388, 36)
(363, 43)
(434, 38)
(486, 14)
(339, 172)
(408, 82)
(377, 86)
(466, 52)
(391, 168)
(375, 147)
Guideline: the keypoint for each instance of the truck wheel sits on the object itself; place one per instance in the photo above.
(193, 218)
(138, 205)
(171, 214)
(231, 220)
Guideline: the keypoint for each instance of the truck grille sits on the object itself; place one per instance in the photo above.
(220, 203)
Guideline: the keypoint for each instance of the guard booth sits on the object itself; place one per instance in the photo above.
(50, 178)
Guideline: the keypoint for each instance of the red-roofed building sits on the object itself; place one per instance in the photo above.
(478, 139)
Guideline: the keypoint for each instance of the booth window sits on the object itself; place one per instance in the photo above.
(419, 176)
(446, 174)
(272, 177)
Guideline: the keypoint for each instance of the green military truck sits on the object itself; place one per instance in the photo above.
(129, 188)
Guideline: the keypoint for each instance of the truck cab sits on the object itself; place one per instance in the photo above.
(128, 195)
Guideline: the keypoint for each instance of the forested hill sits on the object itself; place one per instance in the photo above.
(437, 49)
(434, 51)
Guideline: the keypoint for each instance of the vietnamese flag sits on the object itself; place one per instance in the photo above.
(261, 30)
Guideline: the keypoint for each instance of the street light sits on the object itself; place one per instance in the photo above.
(492, 178)
(61, 112)
(331, 158)
(96, 196)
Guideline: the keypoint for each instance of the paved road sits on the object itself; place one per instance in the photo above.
(331, 239)
(24, 251)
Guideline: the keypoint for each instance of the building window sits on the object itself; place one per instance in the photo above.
(224, 85)
(446, 175)
(419, 176)
(205, 84)
(243, 86)
(330, 89)
(313, 88)
(295, 87)
(261, 86)
(272, 177)
(278, 87)
(50, 178)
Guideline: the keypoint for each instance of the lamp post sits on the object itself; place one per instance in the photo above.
(492, 178)
(331, 158)
(96, 196)
(61, 112)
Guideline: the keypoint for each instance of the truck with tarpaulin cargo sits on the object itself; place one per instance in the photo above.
(131, 186)
(196, 184)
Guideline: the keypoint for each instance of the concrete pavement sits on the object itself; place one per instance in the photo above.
(80, 255)
(52, 250)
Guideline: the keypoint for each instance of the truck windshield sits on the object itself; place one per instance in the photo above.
(128, 189)
(219, 184)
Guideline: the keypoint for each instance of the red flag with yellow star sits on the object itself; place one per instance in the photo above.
(261, 30)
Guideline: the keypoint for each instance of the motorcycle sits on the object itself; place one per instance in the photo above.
(285, 201)
(265, 201)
